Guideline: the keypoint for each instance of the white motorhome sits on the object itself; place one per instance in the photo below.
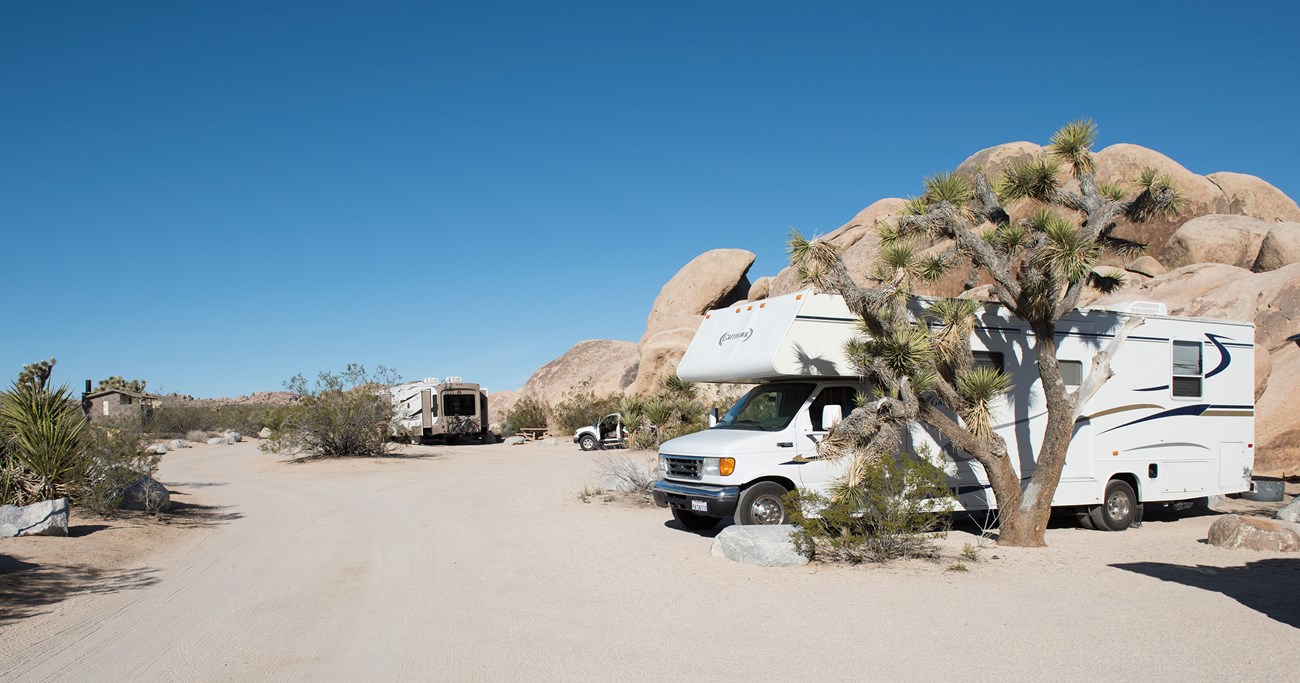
(439, 410)
(1174, 423)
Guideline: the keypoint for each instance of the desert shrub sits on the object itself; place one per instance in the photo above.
(675, 410)
(582, 408)
(878, 511)
(115, 458)
(197, 435)
(633, 475)
(338, 414)
(527, 412)
(175, 419)
(42, 434)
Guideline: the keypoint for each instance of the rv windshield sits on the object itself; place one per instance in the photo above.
(768, 407)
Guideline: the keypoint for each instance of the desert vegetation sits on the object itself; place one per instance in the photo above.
(338, 414)
(48, 449)
(883, 509)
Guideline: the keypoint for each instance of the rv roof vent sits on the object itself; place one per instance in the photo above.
(454, 380)
(1142, 307)
(430, 380)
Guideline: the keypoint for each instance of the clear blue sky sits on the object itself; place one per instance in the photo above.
(217, 195)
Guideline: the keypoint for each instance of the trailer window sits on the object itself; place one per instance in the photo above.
(768, 407)
(1071, 372)
(1187, 369)
(991, 359)
(458, 405)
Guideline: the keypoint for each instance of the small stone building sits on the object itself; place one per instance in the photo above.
(117, 404)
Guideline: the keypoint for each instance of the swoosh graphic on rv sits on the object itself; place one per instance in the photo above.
(1225, 359)
(1193, 410)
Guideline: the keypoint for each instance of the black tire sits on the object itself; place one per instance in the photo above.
(1084, 516)
(694, 520)
(1118, 509)
(762, 503)
(587, 442)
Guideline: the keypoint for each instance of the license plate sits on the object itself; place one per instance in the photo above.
(699, 506)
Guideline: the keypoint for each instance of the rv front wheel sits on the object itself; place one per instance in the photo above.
(1118, 509)
(762, 503)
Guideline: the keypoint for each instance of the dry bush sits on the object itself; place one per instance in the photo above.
(631, 474)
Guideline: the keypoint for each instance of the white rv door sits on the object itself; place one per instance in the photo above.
(816, 472)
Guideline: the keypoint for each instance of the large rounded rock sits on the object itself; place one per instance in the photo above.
(1217, 238)
(1122, 163)
(764, 546)
(500, 403)
(1277, 424)
(863, 226)
(1213, 290)
(604, 366)
(148, 494)
(711, 280)
(659, 355)
(1145, 265)
(785, 282)
(1281, 247)
(1252, 533)
(1252, 196)
(993, 160)
(1290, 513)
(760, 288)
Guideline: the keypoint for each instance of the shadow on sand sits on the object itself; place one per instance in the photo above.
(26, 589)
(1266, 586)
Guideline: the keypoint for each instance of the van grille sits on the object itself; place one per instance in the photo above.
(683, 468)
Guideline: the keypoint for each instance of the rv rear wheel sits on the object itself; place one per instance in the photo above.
(762, 503)
(1084, 516)
(1118, 509)
(695, 521)
(587, 442)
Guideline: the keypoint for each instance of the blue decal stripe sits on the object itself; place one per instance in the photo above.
(1185, 410)
(1225, 358)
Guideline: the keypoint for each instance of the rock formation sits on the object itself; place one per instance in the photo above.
(605, 365)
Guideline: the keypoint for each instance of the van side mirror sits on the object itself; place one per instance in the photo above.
(713, 417)
(831, 416)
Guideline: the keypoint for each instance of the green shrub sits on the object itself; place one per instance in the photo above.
(582, 409)
(527, 412)
(339, 414)
(675, 410)
(879, 511)
(42, 434)
(115, 458)
(172, 420)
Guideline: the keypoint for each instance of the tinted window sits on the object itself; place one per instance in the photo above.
(844, 397)
(458, 405)
(1187, 366)
(990, 359)
(1071, 372)
(768, 407)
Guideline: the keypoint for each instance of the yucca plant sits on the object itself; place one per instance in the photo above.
(44, 446)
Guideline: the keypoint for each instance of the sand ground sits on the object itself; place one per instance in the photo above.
(482, 563)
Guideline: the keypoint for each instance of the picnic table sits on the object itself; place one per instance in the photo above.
(532, 433)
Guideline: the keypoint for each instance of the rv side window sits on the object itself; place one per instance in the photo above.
(991, 359)
(844, 397)
(1071, 372)
(1186, 380)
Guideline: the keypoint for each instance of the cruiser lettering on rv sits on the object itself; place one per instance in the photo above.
(731, 336)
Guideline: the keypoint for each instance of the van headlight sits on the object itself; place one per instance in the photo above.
(663, 464)
(719, 467)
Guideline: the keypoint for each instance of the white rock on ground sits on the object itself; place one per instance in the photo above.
(156, 448)
(46, 518)
(515, 441)
(1290, 513)
(147, 494)
(761, 545)
(216, 440)
(177, 444)
(1252, 533)
(265, 433)
(233, 437)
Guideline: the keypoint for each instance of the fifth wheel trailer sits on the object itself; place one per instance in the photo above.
(439, 410)
(1174, 423)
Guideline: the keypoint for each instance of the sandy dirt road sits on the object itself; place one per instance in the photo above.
(481, 563)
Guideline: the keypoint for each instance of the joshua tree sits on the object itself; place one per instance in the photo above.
(923, 366)
(37, 374)
(115, 382)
